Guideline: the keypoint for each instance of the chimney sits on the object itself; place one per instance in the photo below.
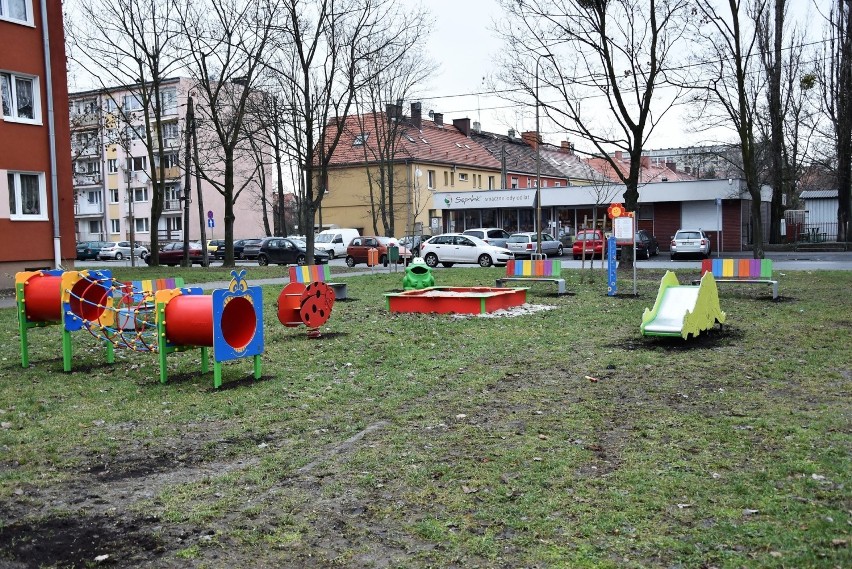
(463, 125)
(415, 115)
(511, 133)
(566, 147)
(532, 138)
(477, 128)
(392, 111)
(438, 118)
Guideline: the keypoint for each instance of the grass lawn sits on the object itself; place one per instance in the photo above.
(560, 438)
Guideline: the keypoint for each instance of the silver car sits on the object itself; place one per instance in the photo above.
(523, 245)
(451, 248)
(491, 235)
(690, 242)
(121, 250)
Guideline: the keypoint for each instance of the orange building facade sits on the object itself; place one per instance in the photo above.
(36, 195)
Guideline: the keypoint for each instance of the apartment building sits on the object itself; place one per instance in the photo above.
(113, 190)
(36, 201)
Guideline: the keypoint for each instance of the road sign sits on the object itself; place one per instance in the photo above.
(211, 223)
(210, 215)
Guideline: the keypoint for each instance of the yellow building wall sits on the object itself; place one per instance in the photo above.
(347, 203)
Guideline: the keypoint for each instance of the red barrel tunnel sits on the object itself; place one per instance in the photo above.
(189, 321)
(43, 298)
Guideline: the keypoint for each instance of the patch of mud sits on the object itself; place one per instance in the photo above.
(79, 541)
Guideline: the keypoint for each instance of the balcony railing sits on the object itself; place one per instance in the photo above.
(172, 205)
(83, 208)
(164, 235)
(87, 179)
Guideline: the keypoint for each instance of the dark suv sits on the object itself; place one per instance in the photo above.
(285, 251)
(89, 249)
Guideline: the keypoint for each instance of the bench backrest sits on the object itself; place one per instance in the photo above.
(309, 274)
(536, 268)
(738, 268)
(138, 289)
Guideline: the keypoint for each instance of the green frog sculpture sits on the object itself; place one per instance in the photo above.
(418, 275)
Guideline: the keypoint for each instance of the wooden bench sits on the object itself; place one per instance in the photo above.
(317, 273)
(748, 271)
(548, 270)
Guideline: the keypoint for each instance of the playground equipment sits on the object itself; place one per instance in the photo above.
(309, 304)
(681, 310)
(418, 275)
(144, 316)
(459, 300)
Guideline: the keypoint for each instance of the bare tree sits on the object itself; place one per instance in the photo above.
(836, 84)
(381, 132)
(226, 41)
(324, 54)
(132, 44)
(725, 91)
(612, 52)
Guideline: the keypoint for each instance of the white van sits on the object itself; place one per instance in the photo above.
(335, 241)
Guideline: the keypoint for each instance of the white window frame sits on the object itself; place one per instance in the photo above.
(4, 13)
(13, 78)
(112, 165)
(141, 225)
(144, 191)
(15, 189)
(430, 179)
(168, 101)
(113, 195)
(171, 131)
(134, 161)
(115, 226)
(462, 177)
(99, 227)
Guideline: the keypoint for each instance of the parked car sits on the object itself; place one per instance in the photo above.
(690, 242)
(523, 245)
(491, 235)
(646, 245)
(592, 241)
(451, 248)
(286, 251)
(89, 249)
(172, 254)
(335, 241)
(412, 243)
(239, 245)
(214, 245)
(360, 246)
(121, 250)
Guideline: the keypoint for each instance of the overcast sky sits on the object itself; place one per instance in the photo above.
(463, 45)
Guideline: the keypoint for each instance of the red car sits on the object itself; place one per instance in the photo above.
(359, 247)
(592, 240)
(172, 254)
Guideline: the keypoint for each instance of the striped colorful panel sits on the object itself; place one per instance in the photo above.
(706, 266)
(728, 268)
(536, 268)
(744, 268)
(717, 268)
(309, 273)
(766, 268)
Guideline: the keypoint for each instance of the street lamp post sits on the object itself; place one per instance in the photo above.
(538, 158)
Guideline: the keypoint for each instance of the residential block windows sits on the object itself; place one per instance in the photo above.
(462, 177)
(137, 163)
(27, 196)
(140, 194)
(20, 97)
(170, 130)
(170, 160)
(95, 226)
(113, 195)
(430, 179)
(132, 103)
(16, 11)
(115, 226)
(168, 101)
(141, 225)
(490, 182)
(112, 165)
(514, 183)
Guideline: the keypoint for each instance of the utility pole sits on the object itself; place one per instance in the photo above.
(187, 184)
(201, 222)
